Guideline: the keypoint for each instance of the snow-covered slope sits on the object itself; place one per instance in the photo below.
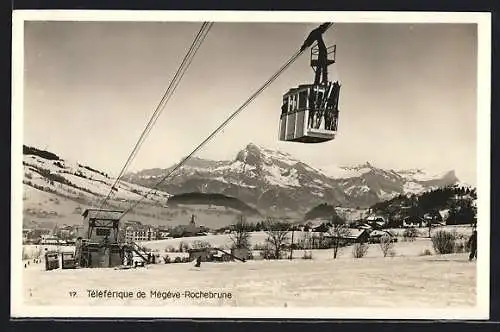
(58, 190)
(75, 180)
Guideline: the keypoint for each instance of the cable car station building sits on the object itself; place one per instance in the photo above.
(99, 246)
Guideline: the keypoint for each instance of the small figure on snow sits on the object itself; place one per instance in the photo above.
(473, 245)
(198, 262)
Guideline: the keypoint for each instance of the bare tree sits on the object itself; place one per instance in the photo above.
(240, 233)
(277, 236)
(359, 250)
(338, 233)
(293, 228)
(386, 244)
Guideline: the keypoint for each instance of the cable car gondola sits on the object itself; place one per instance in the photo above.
(309, 113)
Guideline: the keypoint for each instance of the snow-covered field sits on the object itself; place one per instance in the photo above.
(406, 280)
(223, 241)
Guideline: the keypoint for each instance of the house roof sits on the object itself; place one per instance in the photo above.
(374, 218)
(102, 214)
(354, 233)
(313, 223)
(141, 227)
(415, 218)
(380, 233)
(199, 250)
(320, 228)
(133, 222)
(363, 226)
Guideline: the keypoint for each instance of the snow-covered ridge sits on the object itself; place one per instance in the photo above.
(351, 171)
(73, 179)
(277, 155)
(256, 166)
(421, 175)
(343, 172)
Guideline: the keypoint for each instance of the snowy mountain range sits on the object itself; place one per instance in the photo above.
(273, 181)
(269, 181)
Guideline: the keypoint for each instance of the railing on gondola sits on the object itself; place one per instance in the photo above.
(330, 50)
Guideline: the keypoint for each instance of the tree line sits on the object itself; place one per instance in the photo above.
(458, 200)
(41, 153)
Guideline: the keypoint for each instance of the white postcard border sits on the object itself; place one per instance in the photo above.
(481, 311)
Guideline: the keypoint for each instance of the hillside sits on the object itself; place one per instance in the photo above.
(452, 204)
(58, 191)
(276, 183)
(213, 201)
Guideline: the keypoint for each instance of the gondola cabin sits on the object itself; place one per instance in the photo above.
(309, 113)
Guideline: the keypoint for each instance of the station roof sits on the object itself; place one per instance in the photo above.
(102, 214)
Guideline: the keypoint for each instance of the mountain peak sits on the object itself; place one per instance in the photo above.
(254, 154)
(251, 146)
(251, 154)
(450, 176)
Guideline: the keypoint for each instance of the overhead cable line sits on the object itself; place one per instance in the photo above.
(221, 126)
(202, 33)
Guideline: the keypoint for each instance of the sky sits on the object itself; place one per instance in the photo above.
(408, 96)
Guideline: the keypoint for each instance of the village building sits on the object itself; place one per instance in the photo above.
(66, 232)
(163, 234)
(434, 219)
(376, 222)
(355, 235)
(141, 233)
(413, 221)
(318, 225)
(376, 236)
(50, 239)
(135, 231)
(190, 229)
(99, 244)
(35, 235)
